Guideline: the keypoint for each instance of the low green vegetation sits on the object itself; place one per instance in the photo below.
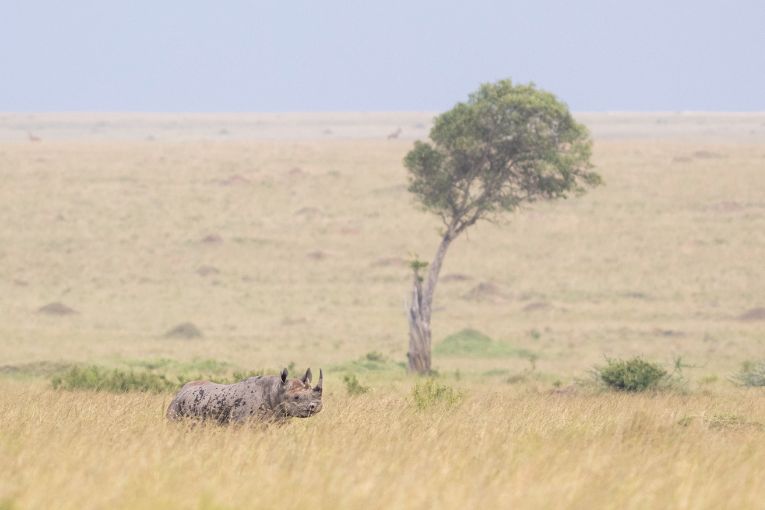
(472, 343)
(429, 393)
(112, 380)
(632, 375)
(155, 376)
(752, 374)
(353, 386)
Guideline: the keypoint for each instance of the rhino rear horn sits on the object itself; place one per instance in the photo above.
(284, 376)
(321, 380)
(307, 377)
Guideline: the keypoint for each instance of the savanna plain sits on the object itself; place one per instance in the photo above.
(172, 247)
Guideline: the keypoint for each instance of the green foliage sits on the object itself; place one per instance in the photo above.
(114, 380)
(149, 375)
(7, 504)
(430, 393)
(353, 386)
(508, 144)
(631, 375)
(417, 265)
(472, 343)
(752, 374)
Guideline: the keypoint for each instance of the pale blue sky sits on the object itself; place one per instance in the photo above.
(301, 55)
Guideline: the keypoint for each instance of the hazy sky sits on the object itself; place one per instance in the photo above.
(301, 55)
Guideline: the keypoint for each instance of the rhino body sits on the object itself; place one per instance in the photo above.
(256, 398)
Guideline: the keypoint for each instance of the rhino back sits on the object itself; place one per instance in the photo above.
(254, 397)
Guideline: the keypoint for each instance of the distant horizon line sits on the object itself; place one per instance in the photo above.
(357, 112)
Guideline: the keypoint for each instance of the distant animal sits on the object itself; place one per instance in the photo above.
(261, 398)
(394, 135)
(32, 138)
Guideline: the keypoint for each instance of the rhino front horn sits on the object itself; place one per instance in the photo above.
(321, 380)
(307, 377)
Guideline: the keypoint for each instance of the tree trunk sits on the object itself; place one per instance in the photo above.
(420, 310)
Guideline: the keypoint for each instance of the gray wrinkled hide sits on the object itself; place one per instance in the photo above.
(258, 398)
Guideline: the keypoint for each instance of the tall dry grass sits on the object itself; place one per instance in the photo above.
(498, 448)
(311, 234)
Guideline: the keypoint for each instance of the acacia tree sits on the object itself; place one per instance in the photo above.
(506, 146)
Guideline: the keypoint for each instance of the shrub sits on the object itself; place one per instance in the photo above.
(353, 386)
(752, 374)
(634, 374)
(117, 381)
(429, 393)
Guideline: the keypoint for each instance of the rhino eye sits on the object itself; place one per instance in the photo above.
(297, 397)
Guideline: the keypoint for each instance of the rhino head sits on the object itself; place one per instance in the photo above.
(299, 399)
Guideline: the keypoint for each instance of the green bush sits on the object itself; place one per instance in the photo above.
(631, 375)
(752, 374)
(114, 380)
(430, 393)
(353, 386)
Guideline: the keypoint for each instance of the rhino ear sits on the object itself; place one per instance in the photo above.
(307, 377)
(284, 376)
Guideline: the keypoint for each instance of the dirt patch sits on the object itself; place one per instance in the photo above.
(212, 239)
(207, 270)
(234, 180)
(537, 306)
(726, 206)
(485, 291)
(704, 154)
(668, 332)
(296, 172)
(682, 159)
(308, 212)
(755, 314)
(350, 231)
(56, 308)
(317, 255)
(294, 321)
(390, 262)
(185, 330)
(636, 295)
(390, 190)
(455, 277)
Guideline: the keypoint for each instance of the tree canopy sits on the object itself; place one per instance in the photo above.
(508, 144)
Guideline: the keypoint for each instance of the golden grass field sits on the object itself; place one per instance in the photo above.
(284, 238)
